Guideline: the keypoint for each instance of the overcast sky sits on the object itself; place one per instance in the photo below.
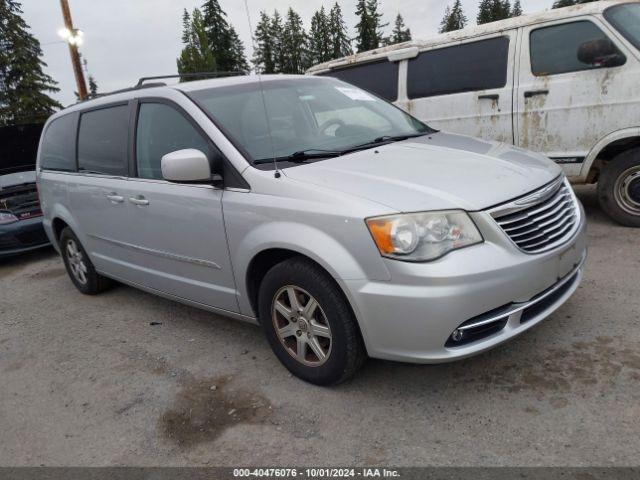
(128, 39)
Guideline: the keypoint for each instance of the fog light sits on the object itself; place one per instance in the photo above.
(457, 335)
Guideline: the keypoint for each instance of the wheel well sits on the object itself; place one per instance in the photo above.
(58, 225)
(608, 153)
(258, 268)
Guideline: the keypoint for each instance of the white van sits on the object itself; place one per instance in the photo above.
(564, 82)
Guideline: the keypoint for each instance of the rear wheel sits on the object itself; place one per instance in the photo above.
(309, 324)
(619, 188)
(80, 269)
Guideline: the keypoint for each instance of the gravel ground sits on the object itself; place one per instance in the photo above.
(92, 381)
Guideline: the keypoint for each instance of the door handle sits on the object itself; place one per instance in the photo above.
(533, 93)
(492, 96)
(139, 200)
(113, 197)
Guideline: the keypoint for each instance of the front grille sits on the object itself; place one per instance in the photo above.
(541, 221)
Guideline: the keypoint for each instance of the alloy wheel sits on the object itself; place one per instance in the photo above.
(76, 262)
(301, 325)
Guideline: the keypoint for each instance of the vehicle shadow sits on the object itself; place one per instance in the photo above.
(16, 262)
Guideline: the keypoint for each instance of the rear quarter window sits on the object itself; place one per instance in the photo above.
(103, 140)
(58, 151)
(380, 78)
(469, 67)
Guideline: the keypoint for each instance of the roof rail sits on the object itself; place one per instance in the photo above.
(140, 83)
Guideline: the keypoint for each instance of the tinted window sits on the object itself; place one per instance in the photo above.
(380, 78)
(59, 144)
(161, 130)
(102, 140)
(463, 68)
(564, 48)
(626, 19)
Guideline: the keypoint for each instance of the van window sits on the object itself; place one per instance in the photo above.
(560, 48)
(463, 68)
(59, 144)
(626, 19)
(161, 130)
(380, 78)
(103, 139)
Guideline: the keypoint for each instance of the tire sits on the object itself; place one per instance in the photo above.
(619, 188)
(303, 280)
(79, 267)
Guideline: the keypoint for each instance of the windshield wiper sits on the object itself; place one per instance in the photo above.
(301, 156)
(383, 140)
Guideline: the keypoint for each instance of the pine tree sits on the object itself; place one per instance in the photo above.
(225, 44)
(196, 55)
(264, 55)
(93, 86)
(516, 10)
(369, 27)
(320, 48)
(454, 18)
(493, 10)
(24, 86)
(294, 44)
(276, 31)
(400, 32)
(340, 41)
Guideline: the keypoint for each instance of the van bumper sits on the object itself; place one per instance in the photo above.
(493, 288)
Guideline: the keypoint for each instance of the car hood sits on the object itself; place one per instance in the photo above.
(19, 178)
(437, 171)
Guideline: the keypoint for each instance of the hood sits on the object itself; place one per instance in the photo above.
(435, 172)
(14, 179)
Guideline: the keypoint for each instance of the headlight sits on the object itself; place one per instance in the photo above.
(418, 237)
(6, 217)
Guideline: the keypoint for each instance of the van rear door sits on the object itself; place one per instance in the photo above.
(465, 87)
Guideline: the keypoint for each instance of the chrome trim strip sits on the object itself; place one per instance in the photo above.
(536, 197)
(160, 253)
(518, 307)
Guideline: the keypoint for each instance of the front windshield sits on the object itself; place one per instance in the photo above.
(19, 147)
(304, 115)
(626, 19)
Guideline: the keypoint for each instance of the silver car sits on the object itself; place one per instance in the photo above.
(345, 227)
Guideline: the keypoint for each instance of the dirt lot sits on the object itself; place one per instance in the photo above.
(91, 381)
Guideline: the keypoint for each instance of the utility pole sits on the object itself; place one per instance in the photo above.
(73, 50)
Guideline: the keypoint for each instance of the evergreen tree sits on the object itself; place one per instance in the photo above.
(400, 32)
(340, 41)
(320, 48)
(93, 86)
(276, 31)
(225, 44)
(264, 55)
(369, 27)
(24, 87)
(196, 55)
(454, 18)
(516, 10)
(294, 44)
(493, 10)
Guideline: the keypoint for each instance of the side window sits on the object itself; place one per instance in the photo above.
(161, 130)
(450, 70)
(102, 140)
(572, 47)
(59, 144)
(380, 78)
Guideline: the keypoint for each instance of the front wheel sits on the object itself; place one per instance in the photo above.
(309, 324)
(619, 188)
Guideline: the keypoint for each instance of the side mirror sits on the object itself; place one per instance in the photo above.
(189, 165)
(600, 52)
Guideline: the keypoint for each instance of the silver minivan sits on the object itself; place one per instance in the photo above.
(342, 225)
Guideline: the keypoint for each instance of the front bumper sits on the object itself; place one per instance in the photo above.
(22, 236)
(412, 317)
